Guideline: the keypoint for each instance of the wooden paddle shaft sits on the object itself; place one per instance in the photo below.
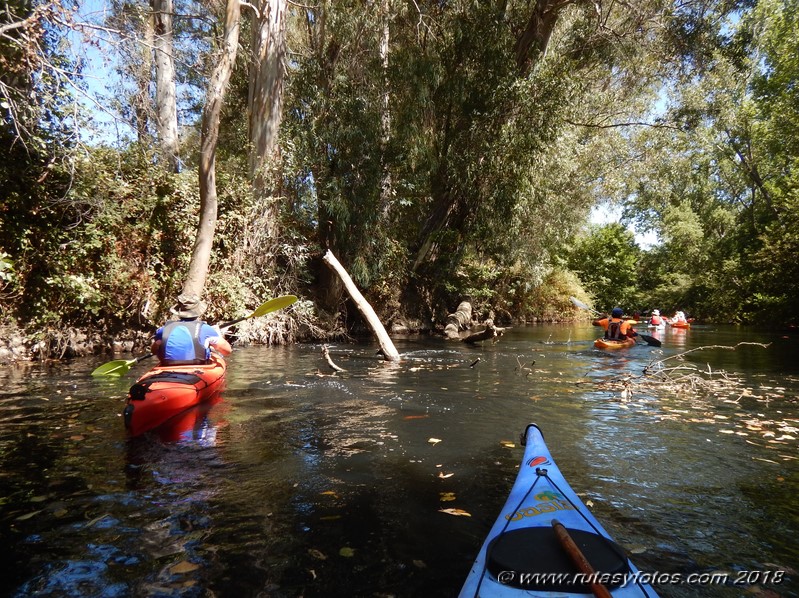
(578, 558)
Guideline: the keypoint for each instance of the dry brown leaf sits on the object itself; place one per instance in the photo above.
(444, 476)
(317, 554)
(433, 441)
(28, 515)
(457, 512)
(183, 567)
(446, 496)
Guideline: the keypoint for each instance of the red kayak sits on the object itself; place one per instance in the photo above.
(607, 343)
(166, 391)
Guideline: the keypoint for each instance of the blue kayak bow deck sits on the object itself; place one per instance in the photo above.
(522, 556)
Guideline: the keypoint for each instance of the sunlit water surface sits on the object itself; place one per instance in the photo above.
(300, 483)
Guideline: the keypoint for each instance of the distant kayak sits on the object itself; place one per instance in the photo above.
(610, 344)
(680, 324)
(166, 391)
(525, 553)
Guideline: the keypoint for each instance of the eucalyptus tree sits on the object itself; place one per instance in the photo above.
(265, 114)
(479, 93)
(209, 131)
(165, 88)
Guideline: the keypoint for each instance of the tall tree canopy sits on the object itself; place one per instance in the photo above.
(438, 149)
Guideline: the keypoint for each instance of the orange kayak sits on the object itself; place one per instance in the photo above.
(606, 343)
(166, 391)
(680, 325)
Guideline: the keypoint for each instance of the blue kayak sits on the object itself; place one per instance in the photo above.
(526, 554)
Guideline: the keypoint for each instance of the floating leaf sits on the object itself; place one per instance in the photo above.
(347, 552)
(183, 567)
(444, 476)
(446, 496)
(317, 554)
(508, 444)
(27, 516)
(434, 441)
(457, 512)
(419, 564)
(330, 518)
(329, 493)
(416, 416)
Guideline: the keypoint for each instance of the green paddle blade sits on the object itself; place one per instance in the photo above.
(274, 305)
(263, 309)
(118, 367)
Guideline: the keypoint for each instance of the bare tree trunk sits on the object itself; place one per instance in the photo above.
(389, 351)
(142, 102)
(266, 84)
(386, 185)
(265, 106)
(532, 44)
(165, 93)
(217, 86)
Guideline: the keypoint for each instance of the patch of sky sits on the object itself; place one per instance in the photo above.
(606, 214)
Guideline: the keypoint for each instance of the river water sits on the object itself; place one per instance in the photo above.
(302, 483)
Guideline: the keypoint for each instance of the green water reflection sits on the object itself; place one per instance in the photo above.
(303, 483)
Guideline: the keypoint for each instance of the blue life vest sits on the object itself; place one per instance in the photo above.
(180, 343)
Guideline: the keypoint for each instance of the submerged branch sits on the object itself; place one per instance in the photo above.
(682, 378)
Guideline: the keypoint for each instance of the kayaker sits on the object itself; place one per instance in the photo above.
(656, 319)
(679, 318)
(616, 327)
(188, 340)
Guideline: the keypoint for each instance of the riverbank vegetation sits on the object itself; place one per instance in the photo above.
(440, 151)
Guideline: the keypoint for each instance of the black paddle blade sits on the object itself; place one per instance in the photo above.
(650, 340)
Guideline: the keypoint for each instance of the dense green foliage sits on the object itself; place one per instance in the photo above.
(455, 166)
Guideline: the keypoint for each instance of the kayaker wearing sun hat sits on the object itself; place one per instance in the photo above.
(188, 340)
(616, 328)
(656, 319)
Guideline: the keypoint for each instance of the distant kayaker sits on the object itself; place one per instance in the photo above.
(188, 340)
(679, 318)
(656, 319)
(616, 327)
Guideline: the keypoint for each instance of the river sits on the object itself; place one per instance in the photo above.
(302, 483)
